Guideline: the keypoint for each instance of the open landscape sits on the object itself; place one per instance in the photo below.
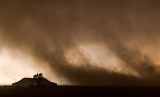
(81, 91)
(79, 48)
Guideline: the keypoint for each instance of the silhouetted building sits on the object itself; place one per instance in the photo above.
(34, 82)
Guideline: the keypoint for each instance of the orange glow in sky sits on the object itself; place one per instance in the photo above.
(15, 66)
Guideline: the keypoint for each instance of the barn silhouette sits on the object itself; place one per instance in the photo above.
(37, 81)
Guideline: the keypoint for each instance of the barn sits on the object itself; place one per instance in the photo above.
(34, 82)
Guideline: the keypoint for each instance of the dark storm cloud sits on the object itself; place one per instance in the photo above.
(46, 29)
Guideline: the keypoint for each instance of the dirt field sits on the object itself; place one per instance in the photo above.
(80, 91)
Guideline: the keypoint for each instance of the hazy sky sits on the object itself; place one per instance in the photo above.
(82, 42)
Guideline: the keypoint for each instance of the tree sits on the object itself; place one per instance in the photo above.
(38, 77)
(35, 76)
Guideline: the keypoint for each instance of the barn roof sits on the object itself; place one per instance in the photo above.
(33, 80)
(30, 79)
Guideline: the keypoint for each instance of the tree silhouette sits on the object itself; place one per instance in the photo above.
(38, 77)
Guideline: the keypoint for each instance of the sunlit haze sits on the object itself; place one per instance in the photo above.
(15, 65)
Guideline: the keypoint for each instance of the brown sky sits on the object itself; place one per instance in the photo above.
(86, 42)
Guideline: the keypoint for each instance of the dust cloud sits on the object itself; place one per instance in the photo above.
(86, 42)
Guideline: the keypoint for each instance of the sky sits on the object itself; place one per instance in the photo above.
(81, 42)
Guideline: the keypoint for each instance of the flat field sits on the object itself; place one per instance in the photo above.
(81, 91)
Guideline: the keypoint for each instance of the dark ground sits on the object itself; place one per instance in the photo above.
(81, 91)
